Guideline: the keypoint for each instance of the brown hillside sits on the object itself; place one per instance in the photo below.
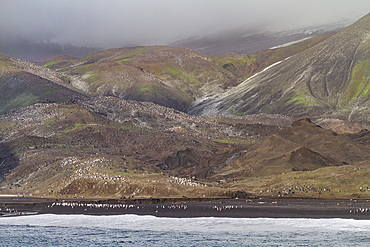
(302, 147)
(46, 147)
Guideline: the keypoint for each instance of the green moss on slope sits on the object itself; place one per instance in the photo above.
(160, 94)
(182, 75)
(83, 69)
(359, 84)
(125, 57)
(125, 60)
(301, 100)
(49, 63)
(145, 89)
(77, 126)
(24, 99)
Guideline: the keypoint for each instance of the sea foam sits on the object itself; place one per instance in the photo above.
(133, 230)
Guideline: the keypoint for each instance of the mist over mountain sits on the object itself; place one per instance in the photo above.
(255, 39)
(112, 24)
(41, 51)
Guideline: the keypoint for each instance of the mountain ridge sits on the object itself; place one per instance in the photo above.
(329, 79)
(169, 76)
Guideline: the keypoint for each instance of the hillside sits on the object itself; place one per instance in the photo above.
(168, 76)
(109, 147)
(304, 146)
(330, 79)
(163, 75)
(19, 88)
(47, 148)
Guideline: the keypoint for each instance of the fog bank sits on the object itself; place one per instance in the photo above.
(113, 23)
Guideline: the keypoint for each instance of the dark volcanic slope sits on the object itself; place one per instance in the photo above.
(20, 87)
(302, 147)
(331, 78)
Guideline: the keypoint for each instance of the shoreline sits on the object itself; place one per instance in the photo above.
(191, 208)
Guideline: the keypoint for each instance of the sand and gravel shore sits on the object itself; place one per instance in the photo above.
(187, 208)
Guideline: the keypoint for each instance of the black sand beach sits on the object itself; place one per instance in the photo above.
(187, 208)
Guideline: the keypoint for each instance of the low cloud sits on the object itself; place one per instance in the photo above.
(114, 23)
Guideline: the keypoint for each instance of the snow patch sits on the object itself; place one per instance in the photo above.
(289, 43)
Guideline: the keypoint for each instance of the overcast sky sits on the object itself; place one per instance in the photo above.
(111, 23)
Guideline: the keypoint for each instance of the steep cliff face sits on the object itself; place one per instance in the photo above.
(329, 79)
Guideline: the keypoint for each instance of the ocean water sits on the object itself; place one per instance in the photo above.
(132, 230)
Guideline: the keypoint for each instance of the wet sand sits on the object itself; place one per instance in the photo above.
(187, 208)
